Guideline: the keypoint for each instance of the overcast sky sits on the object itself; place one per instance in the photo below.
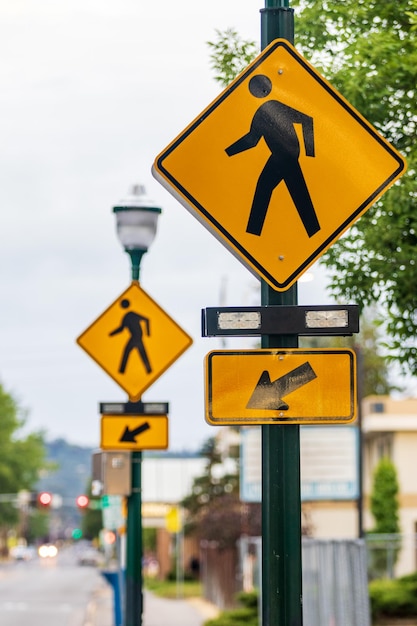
(92, 91)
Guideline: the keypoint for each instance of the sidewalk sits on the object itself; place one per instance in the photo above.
(157, 611)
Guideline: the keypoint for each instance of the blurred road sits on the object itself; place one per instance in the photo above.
(47, 592)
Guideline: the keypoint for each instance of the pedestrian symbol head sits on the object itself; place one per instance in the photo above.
(125, 303)
(260, 86)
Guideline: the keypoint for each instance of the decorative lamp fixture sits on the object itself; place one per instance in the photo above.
(136, 223)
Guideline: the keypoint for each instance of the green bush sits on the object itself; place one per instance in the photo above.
(410, 579)
(394, 598)
(247, 615)
(248, 599)
(235, 618)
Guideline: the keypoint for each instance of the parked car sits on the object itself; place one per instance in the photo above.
(22, 553)
(89, 556)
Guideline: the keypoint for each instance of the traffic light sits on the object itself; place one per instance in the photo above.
(83, 501)
(44, 499)
(77, 533)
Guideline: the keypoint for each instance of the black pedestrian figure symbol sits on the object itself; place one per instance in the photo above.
(274, 121)
(132, 322)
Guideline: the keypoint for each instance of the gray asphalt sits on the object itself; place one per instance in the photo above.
(157, 611)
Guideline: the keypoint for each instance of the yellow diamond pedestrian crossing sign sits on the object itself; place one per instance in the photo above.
(279, 166)
(135, 341)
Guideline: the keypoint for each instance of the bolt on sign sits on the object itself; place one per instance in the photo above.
(279, 166)
(134, 341)
(280, 386)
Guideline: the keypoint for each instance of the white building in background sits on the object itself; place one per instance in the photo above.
(165, 482)
(330, 471)
(389, 429)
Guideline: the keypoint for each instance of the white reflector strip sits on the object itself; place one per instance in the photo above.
(327, 319)
(242, 320)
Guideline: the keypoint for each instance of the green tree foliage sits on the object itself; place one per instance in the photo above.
(92, 518)
(375, 379)
(394, 598)
(36, 526)
(384, 498)
(374, 371)
(230, 55)
(21, 458)
(384, 508)
(149, 538)
(214, 510)
(209, 486)
(368, 51)
(246, 613)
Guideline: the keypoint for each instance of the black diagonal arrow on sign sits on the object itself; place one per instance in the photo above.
(268, 394)
(130, 435)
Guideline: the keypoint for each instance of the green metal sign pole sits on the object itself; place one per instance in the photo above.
(281, 494)
(134, 603)
(134, 543)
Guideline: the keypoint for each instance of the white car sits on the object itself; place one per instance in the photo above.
(22, 553)
(89, 556)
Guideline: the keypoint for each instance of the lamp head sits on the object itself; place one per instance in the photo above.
(136, 223)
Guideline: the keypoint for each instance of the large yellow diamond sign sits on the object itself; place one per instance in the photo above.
(134, 341)
(281, 386)
(278, 166)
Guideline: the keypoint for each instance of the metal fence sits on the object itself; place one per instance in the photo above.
(335, 574)
(335, 581)
(219, 574)
(391, 555)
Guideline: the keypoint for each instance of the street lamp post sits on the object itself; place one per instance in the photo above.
(136, 222)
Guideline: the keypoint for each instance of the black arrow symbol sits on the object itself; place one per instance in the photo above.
(130, 435)
(268, 395)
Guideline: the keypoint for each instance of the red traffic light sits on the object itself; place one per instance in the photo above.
(45, 498)
(83, 501)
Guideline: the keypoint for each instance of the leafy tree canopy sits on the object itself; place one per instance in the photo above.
(211, 485)
(214, 511)
(368, 51)
(384, 498)
(230, 55)
(21, 458)
(373, 368)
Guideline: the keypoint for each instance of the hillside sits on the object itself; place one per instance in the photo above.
(73, 472)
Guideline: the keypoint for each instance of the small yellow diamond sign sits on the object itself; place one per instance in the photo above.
(173, 520)
(279, 166)
(134, 341)
(280, 386)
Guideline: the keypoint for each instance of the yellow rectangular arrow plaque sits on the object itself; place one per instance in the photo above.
(134, 432)
(281, 386)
